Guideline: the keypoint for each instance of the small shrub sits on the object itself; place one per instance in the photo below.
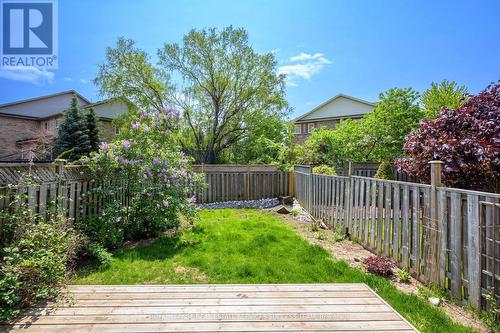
(104, 229)
(339, 234)
(100, 254)
(402, 275)
(35, 264)
(314, 227)
(295, 212)
(321, 235)
(385, 170)
(380, 265)
(324, 170)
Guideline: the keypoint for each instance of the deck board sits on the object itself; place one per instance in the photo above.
(215, 308)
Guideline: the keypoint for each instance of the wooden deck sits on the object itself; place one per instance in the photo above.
(216, 308)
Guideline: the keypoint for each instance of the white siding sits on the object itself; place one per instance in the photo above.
(339, 107)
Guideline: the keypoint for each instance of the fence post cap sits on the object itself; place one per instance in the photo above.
(435, 162)
(60, 160)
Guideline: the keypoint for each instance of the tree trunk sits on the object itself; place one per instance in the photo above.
(210, 156)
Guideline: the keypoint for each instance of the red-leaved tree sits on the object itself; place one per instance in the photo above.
(466, 139)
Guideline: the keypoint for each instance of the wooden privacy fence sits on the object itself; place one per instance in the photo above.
(444, 236)
(69, 183)
(229, 182)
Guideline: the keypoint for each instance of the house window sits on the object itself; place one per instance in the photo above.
(117, 130)
(298, 129)
(56, 123)
(46, 125)
(310, 128)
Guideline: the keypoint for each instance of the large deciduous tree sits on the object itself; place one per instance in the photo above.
(226, 84)
(466, 139)
(226, 90)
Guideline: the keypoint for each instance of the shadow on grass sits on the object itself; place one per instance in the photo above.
(164, 247)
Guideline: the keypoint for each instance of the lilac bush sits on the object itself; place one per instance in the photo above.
(144, 179)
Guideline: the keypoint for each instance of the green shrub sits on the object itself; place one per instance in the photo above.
(385, 170)
(101, 255)
(35, 253)
(402, 275)
(324, 170)
(35, 264)
(104, 229)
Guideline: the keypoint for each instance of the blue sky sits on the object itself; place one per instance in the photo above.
(360, 48)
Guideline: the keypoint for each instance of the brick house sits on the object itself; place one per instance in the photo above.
(329, 114)
(28, 127)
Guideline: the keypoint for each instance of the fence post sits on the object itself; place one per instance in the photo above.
(434, 215)
(310, 192)
(61, 185)
(349, 202)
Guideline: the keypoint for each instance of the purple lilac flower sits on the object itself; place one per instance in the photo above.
(104, 146)
(136, 125)
(156, 160)
(126, 144)
(165, 203)
(192, 199)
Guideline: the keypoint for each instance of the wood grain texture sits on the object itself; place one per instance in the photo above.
(215, 308)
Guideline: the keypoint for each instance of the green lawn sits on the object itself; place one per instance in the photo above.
(250, 246)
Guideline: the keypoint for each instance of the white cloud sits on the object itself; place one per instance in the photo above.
(68, 79)
(27, 74)
(306, 56)
(303, 66)
(84, 81)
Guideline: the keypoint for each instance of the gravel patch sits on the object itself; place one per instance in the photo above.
(258, 204)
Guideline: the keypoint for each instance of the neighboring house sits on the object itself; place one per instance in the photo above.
(329, 115)
(28, 127)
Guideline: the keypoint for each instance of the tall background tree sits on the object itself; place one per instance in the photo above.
(92, 130)
(226, 91)
(72, 140)
(446, 94)
(226, 85)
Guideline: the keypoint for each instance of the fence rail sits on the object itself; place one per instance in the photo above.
(71, 184)
(242, 182)
(445, 236)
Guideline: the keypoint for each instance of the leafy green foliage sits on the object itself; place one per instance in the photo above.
(324, 170)
(228, 89)
(34, 257)
(129, 73)
(101, 255)
(385, 128)
(230, 95)
(72, 138)
(402, 275)
(385, 170)
(334, 147)
(251, 246)
(379, 135)
(104, 229)
(446, 94)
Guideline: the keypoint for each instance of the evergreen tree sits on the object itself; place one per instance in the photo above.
(72, 140)
(92, 130)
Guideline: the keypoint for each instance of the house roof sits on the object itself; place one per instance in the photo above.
(49, 106)
(361, 111)
(42, 106)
